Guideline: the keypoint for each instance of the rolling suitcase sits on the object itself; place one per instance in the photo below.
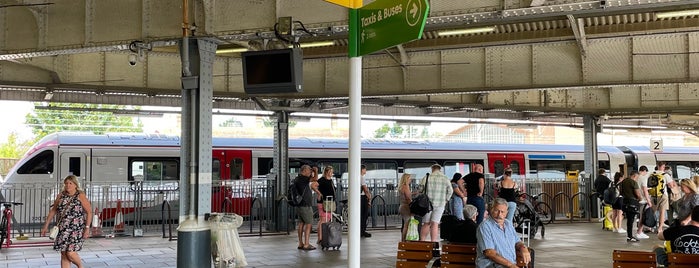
(607, 223)
(332, 230)
(332, 235)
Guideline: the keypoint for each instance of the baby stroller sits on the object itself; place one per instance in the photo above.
(525, 212)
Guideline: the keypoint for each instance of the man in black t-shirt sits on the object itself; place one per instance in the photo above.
(601, 183)
(683, 239)
(474, 190)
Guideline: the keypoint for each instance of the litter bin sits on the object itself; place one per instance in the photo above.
(226, 250)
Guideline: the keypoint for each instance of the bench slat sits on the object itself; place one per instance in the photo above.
(418, 246)
(415, 255)
(676, 259)
(633, 256)
(458, 258)
(459, 248)
(410, 264)
(457, 265)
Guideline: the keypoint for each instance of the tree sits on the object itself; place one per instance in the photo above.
(390, 131)
(14, 148)
(80, 117)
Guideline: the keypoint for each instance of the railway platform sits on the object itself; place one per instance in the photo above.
(564, 245)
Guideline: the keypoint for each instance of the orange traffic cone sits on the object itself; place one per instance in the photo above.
(119, 219)
(96, 228)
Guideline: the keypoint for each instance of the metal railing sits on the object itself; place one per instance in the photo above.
(149, 206)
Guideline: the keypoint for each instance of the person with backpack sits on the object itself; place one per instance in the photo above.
(645, 203)
(304, 210)
(657, 184)
(601, 183)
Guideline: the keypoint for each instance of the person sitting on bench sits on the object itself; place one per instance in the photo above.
(683, 239)
(498, 241)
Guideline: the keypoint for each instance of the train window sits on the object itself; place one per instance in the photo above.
(683, 170)
(339, 168)
(418, 169)
(499, 168)
(154, 170)
(381, 170)
(451, 167)
(236, 167)
(74, 166)
(216, 169)
(42, 163)
(514, 165)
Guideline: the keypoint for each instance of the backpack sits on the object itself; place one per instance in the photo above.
(656, 184)
(294, 197)
(610, 194)
(649, 219)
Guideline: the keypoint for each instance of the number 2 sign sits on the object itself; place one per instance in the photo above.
(656, 145)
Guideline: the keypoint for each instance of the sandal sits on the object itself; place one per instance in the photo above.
(299, 247)
(309, 247)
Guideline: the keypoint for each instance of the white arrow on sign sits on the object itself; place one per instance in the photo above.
(414, 10)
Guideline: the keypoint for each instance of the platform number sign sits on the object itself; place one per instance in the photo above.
(656, 145)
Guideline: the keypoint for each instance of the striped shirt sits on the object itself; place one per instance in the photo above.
(490, 236)
(439, 189)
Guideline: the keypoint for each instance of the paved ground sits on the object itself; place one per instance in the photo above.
(564, 245)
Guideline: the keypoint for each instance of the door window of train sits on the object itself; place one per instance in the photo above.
(339, 168)
(215, 169)
(42, 163)
(154, 170)
(379, 174)
(499, 168)
(74, 166)
(236, 169)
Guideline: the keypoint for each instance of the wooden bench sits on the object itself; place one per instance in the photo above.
(414, 254)
(676, 260)
(633, 259)
(456, 255)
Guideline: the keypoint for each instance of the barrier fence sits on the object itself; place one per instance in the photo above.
(147, 208)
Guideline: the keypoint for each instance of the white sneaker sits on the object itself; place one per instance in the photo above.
(642, 236)
(621, 231)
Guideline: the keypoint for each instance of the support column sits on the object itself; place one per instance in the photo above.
(194, 233)
(281, 168)
(591, 162)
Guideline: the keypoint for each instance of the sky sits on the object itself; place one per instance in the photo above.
(13, 116)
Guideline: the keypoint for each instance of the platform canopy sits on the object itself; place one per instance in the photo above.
(633, 62)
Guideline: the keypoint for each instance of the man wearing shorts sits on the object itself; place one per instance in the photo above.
(439, 191)
(304, 211)
(661, 200)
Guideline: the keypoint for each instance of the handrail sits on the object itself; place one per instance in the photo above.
(570, 205)
(547, 195)
(587, 208)
(169, 219)
(259, 213)
(383, 201)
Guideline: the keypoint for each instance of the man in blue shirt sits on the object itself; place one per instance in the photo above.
(498, 241)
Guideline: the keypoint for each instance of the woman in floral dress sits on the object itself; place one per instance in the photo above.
(74, 217)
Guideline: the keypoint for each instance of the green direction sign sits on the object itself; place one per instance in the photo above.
(386, 23)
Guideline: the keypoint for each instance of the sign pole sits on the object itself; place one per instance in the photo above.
(355, 142)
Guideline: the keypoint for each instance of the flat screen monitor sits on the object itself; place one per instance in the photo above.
(273, 71)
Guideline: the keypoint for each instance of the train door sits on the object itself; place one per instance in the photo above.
(234, 170)
(498, 162)
(73, 162)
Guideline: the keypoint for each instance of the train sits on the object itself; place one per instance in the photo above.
(153, 160)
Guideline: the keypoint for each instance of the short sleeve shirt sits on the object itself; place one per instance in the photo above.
(490, 236)
(362, 181)
(643, 180)
(684, 239)
(472, 185)
(628, 187)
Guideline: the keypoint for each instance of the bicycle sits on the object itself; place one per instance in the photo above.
(6, 223)
(542, 208)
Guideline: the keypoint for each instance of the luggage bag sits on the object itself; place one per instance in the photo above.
(332, 235)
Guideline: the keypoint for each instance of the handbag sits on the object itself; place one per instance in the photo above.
(329, 204)
(53, 233)
(54, 230)
(421, 204)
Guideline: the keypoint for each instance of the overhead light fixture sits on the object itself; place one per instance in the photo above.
(467, 31)
(317, 44)
(680, 13)
(48, 96)
(231, 50)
